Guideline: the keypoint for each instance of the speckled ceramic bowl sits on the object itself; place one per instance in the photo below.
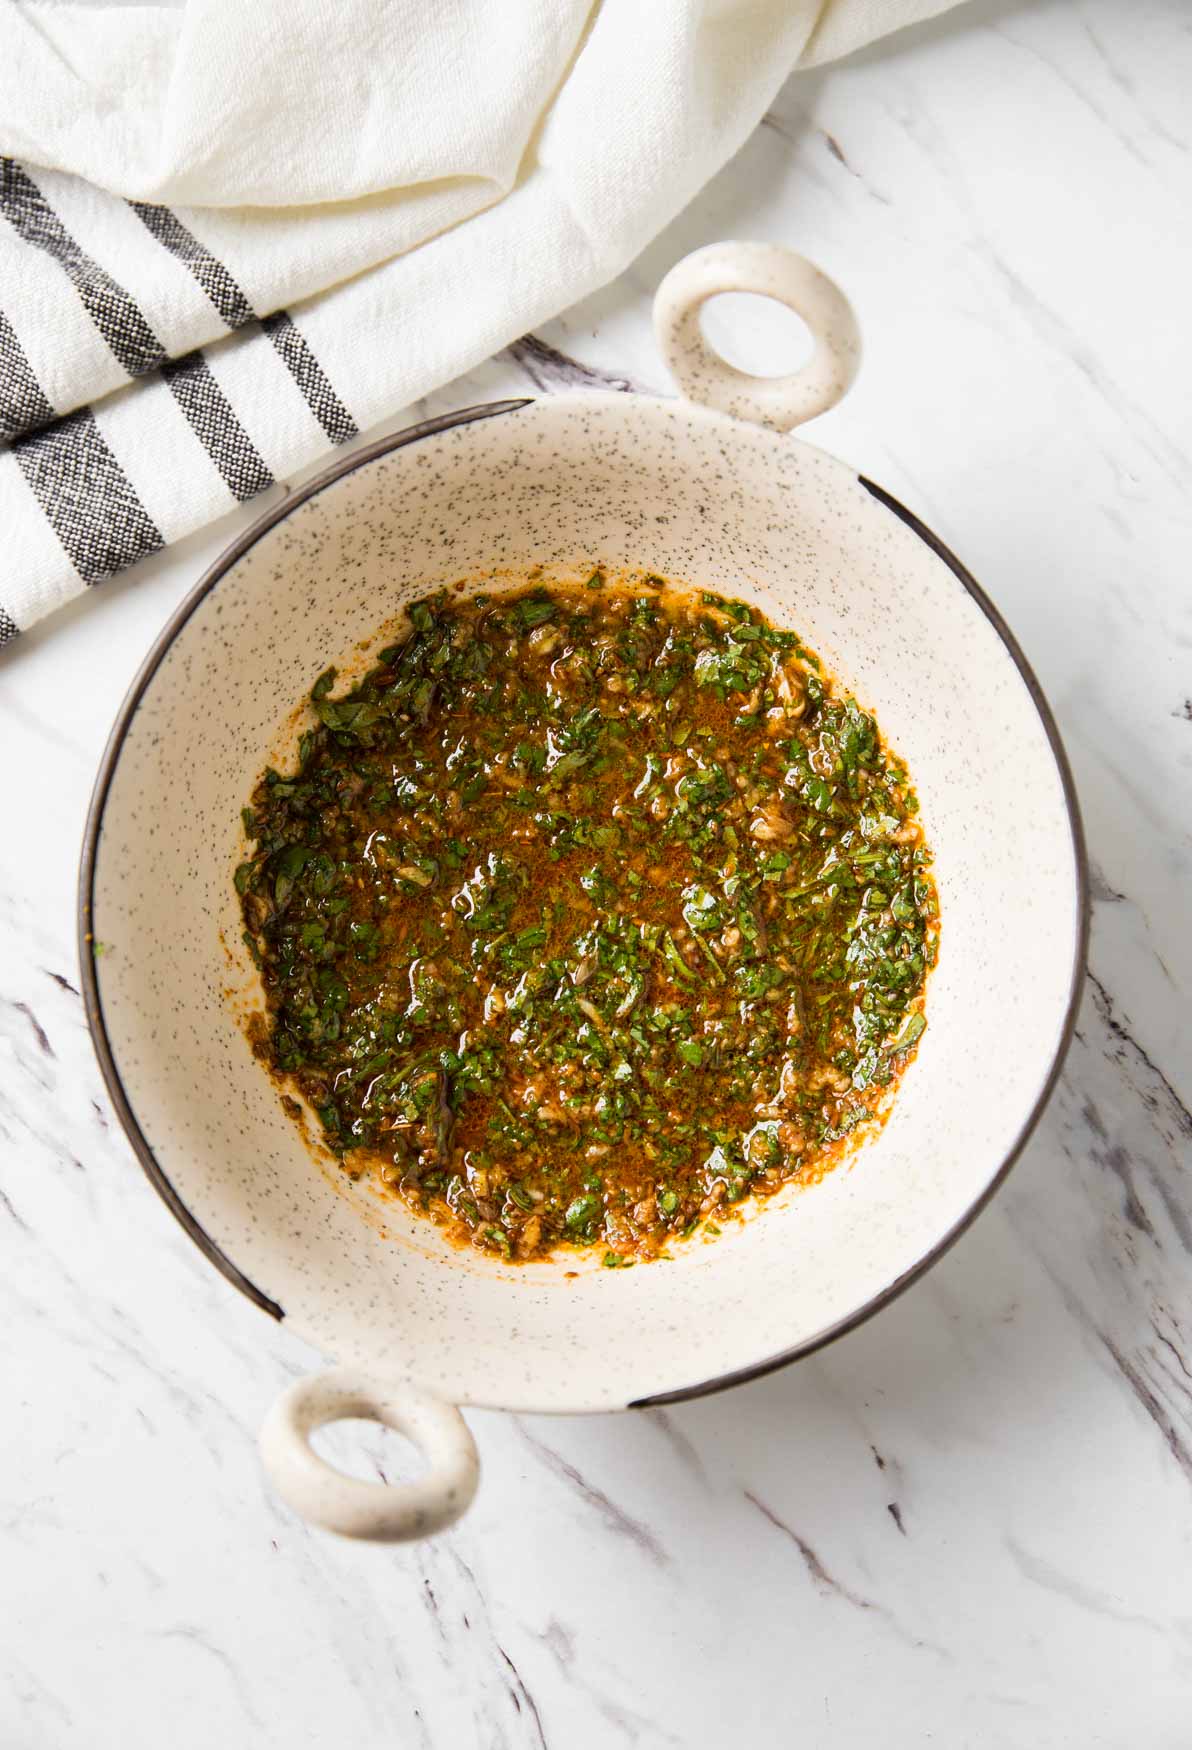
(705, 489)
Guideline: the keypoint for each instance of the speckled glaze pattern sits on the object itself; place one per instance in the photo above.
(772, 272)
(631, 483)
(380, 1513)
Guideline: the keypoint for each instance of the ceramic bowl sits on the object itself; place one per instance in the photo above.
(706, 489)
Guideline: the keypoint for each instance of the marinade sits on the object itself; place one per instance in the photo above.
(589, 912)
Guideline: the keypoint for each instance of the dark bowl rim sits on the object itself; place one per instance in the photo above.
(89, 982)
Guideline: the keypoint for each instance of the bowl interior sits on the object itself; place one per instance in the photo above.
(566, 483)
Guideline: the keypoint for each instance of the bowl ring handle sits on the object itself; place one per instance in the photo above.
(380, 1512)
(773, 272)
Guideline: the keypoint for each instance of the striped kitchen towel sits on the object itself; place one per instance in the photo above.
(231, 236)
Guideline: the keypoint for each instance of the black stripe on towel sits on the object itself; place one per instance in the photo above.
(107, 303)
(88, 499)
(311, 378)
(8, 627)
(23, 404)
(230, 302)
(214, 421)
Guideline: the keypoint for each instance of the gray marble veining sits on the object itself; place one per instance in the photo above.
(970, 1521)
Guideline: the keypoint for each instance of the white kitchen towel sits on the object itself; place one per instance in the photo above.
(233, 233)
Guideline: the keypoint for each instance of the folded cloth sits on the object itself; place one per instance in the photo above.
(232, 235)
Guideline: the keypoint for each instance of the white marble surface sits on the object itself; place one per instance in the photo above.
(967, 1524)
